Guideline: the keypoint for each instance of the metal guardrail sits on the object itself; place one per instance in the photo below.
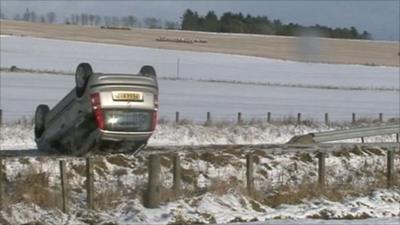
(337, 135)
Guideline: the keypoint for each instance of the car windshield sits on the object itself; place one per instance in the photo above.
(127, 120)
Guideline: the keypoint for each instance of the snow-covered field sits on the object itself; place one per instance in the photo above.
(281, 87)
(224, 85)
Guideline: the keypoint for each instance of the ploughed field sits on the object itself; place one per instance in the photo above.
(277, 47)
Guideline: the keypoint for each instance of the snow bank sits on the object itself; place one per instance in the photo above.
(21, 136)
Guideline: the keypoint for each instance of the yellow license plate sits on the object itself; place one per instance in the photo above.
(127, 96)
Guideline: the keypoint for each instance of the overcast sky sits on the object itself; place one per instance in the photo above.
(379, 17)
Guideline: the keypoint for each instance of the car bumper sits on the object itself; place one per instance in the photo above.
(124, 136)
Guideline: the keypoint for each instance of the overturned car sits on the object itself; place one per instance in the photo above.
(104, 112)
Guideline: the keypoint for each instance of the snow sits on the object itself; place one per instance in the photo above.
(21, 136)
(193, 97)
(197, 93)
(37, 53)
(212, 206)
(22, 92)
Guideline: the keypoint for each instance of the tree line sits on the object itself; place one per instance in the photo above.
(86, 19)
(228, 23)
(238, 23)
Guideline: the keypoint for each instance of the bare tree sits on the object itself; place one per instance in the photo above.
(84, 19)
(107, 21)
(129, 21)
(51, 17)
(42, 19)
(97, 20)
(171, 25)
(91, 19)
(17, 17)
(33, 17)
(26, 15)
(152, 22)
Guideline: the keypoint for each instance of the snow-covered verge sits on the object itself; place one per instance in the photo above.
(213, 188)
(231, 207)
(20, 136)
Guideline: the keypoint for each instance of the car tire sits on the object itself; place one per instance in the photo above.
(40, 119)
(82, 75)
(148, 71)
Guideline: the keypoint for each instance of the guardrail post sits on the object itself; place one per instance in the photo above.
(208, 117)
(326, 119)
(390, 168)
(176, 117)
(177, 175)
(2, 175)
(152, 199)
(353, 118)
(250, 173)
(380, 117)
(362, 140)
(239, 118)
(321, 170)
(64, 186)
(397, 138)
(298, 118)
(89, 182)
(269, 117)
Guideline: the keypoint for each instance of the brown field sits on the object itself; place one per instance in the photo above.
(288, 48)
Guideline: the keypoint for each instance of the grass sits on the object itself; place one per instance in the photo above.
(34, 187)
(110, 191)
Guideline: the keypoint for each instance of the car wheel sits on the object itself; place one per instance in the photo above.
(82, 74)
(148, 71)
(40, 118)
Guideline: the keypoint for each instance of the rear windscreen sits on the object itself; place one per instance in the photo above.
(127, 120)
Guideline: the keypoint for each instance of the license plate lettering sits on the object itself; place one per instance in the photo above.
(127, 96)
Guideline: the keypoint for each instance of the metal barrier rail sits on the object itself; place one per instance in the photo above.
(346, 134)
(269, 148)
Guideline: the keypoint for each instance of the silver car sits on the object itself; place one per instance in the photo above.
(104, 112)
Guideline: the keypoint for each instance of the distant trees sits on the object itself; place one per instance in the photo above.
(228, 22)
(152, 22)
(238, 23)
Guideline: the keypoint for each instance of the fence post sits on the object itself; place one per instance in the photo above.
(362, 140)
(1, 117)
(269, 117)
(176, 117)
(390, 168)
(397, 138)
(298, 118)
(353, 118)
(208, 117)
(89, 183)
(239, 117)
(249, 173)
(177, 175)
(2, 175)
(326, 119)
(153, 186)
(64, 186)
(381, 117)
(321, 170)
